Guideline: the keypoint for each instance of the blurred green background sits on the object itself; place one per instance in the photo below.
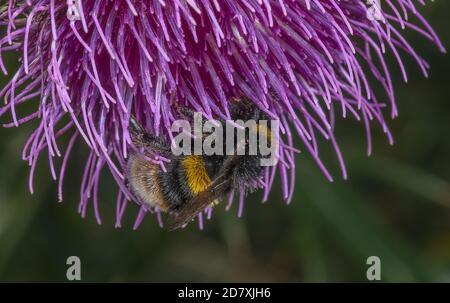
(395, 205)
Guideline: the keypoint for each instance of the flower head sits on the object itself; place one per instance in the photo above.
(91, 64)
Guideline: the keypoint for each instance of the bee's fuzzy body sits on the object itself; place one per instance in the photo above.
(188, 177)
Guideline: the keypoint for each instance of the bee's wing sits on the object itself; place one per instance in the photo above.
(219, 186)
(143, 139)
(198, 204)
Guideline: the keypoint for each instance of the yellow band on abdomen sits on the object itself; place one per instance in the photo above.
(197, 177)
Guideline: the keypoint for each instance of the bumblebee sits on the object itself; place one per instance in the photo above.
(191, 183)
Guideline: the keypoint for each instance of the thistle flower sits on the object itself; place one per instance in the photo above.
(88, 65)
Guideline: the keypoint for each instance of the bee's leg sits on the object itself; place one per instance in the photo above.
(184, 112)
(142, 139)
